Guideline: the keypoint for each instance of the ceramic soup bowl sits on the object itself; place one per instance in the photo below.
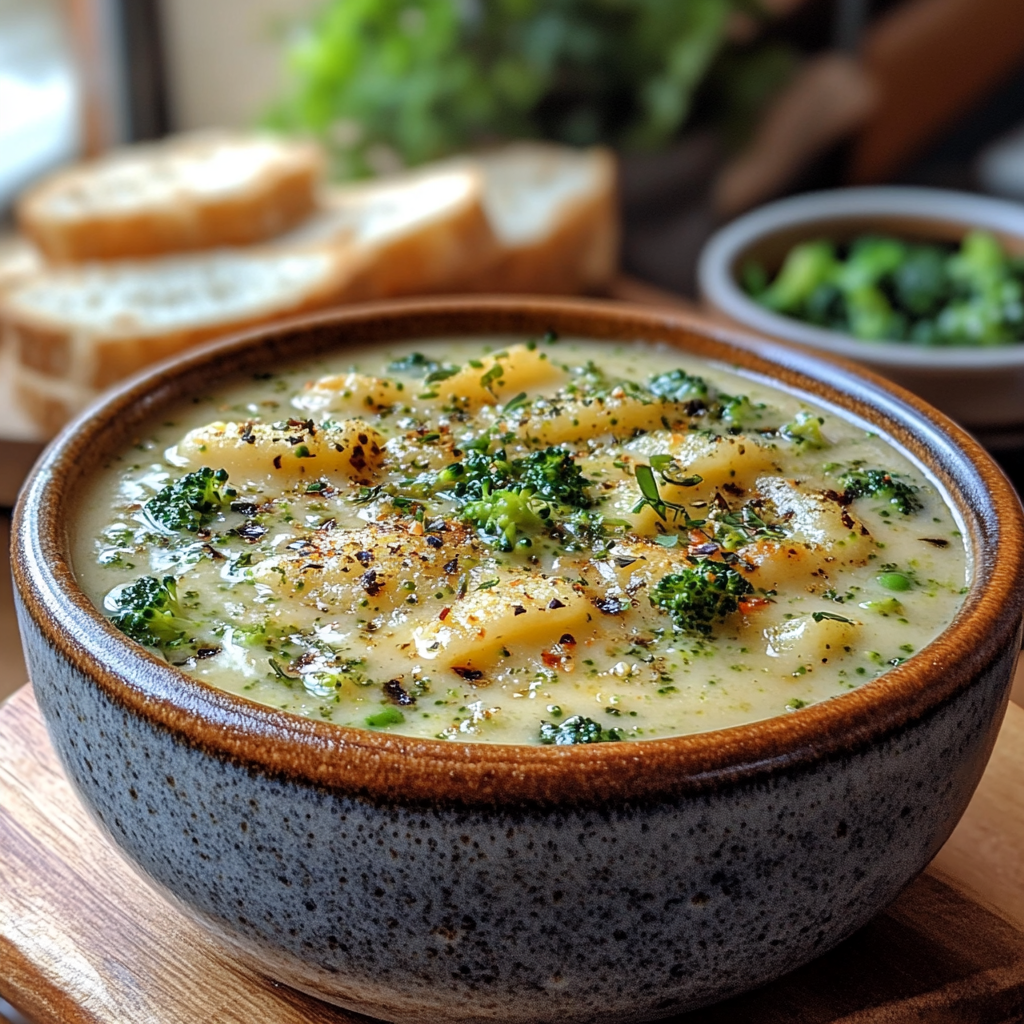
(980, 387)
(421, 880)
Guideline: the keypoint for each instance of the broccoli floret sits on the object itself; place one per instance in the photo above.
(502, 516)
(738, 409)
(577, 730)
(871, 315)
(877, 483)
(920, 283)
(805, 429)
(870, 260)
(806, 267)
(148, 612)
(553, 474)
(700, 594)
(679, 386)
(191, 502)
(467, 479)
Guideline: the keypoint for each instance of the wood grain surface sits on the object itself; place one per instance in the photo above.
(84, 941)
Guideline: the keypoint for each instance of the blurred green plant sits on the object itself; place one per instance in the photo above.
(405, 81)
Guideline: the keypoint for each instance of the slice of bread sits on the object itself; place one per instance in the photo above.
(416, 233)
(19, 260)
(46, 402)
(188, 192)
(555, 215)
(93, 325)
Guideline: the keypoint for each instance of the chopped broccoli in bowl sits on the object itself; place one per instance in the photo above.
(878, 288)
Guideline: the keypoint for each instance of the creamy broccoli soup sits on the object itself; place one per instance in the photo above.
(553, 541)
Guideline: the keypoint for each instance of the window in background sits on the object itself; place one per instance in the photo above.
(39, 95)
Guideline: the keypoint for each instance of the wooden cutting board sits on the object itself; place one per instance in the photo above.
(84, 941)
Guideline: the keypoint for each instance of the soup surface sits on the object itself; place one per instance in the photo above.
(548, 541)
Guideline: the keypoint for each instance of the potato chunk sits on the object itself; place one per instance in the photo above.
(375, 568)
(729, 465)
(286, 453)
(351, 392)
(820, 519)
(498, 378)
(800, 645)
(523, 615)
(579, 419)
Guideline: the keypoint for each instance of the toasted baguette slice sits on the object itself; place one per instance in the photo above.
(197, 191)
(19, 260)
(409, 234)
(554, 212)
(95, 324)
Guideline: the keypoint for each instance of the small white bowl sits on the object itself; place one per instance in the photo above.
(981, 387)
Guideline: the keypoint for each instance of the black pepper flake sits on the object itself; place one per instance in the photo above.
(397, 694)
(936, 542)
(554, 603)
(277, 462)
(609, 605)
(245, 508)
(469, 674)
(452, 566)
(518, 610)
(370, 583)
(434, 542)
(568, 640)
(297, 440)
(251, 531)
(207, 652)
(364, 557)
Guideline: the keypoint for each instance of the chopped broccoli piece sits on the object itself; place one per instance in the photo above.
(805, 429)
(738, 409)
(507, 498)
(148, 612)
(679, 386)
(501, 516)
(870, 260)
(806, 267)
(553, 474)
(877, 483)
(871, 315)
(382, 719)
(191, 502)
(881, 289)
(577, 730)
(885, 607)
(466, 479)
(920, 283)
(700, 594)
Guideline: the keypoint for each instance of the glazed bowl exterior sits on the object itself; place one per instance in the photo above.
(423, 880)
(982, 388)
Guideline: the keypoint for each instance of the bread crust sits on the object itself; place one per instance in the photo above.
(19, 260)
(578, 253)
(437, 255)
(279, 197)
(48, 403)
(95, 358)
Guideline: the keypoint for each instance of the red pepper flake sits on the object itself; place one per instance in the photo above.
(444, 614)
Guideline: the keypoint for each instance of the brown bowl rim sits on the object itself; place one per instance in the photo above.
(387, 768)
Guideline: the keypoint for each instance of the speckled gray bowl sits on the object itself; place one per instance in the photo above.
(421, 880)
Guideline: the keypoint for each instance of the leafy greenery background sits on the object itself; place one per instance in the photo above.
(386, 83)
